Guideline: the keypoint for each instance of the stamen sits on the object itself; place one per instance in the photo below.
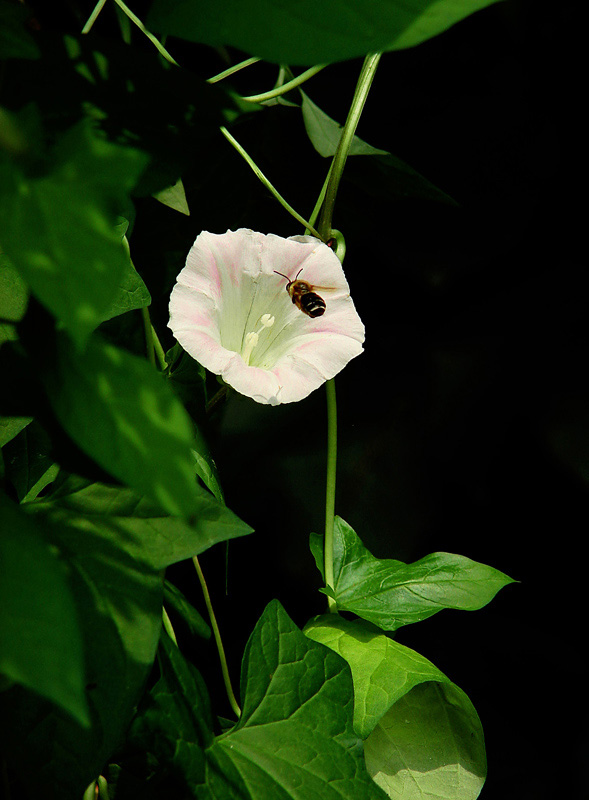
(267, 321)
(252, 338)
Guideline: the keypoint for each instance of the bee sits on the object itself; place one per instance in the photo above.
(303, 295)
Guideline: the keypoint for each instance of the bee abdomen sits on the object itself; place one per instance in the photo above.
(312, 304)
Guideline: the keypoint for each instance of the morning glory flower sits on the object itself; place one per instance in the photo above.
(229, 310)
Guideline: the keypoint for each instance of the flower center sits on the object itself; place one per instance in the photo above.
(252, 338)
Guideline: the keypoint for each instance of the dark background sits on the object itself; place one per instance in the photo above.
(464, 427)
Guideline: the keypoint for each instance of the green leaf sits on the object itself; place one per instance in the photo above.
(13, 292)
(150, 534)
(28, 462)
(118, 601)
(131, 293)
(133, 96)
(429, 746)
(59, 228)
(174, 197)
(344, 29)
(390, 593)
(40, 642)
(294, 739)
(382, 669)
(382, 175)
(11, 427)
(139, 432)
(15, 40)
(445, 738)
(325, 133)
(175, 600)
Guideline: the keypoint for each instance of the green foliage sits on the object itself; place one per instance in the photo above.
(423, 738)
(391, 594)
(111, 161)
(383, 174)
(428, 746)
(342, 30)
(294, 739)
(40, 642)
(59, 229)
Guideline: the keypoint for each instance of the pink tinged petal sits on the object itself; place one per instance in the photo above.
(229, 287)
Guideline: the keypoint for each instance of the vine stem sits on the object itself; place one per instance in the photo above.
(153, 39)
(135, 19)
(285, 87)
(330, 490)
(329, 193)
(217, 634)
(93, 16)
(345, 142)
(232, 70)
(260, 175)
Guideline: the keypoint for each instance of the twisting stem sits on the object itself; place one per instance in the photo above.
(232, 70)
(155, 42)
(217, 635)
(93, 16)
(251, 163)
(339, 159)
(285, 87)
(330, 490)
(329, 193)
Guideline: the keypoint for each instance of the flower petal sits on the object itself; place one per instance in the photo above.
(229, 290)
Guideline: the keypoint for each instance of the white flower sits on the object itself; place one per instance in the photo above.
(230, 311)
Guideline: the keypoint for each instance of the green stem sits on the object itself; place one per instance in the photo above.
(330, 490)
(155, 42)
(232, 70)
(217, 635)
(320, 199)
(148, 332)
(285, 87)
(93, 16)
(349, 129)
(251, 163)
(159, 350)
(326, 202)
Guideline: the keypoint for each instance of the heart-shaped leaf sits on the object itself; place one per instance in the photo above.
(423, 738)
(294, 739)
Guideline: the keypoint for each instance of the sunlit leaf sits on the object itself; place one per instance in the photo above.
(294, 739)
(40, 641)
(437, 753)
(429, 746)
(149, 533)
(59, 227)
(391, 593)
(140, 432)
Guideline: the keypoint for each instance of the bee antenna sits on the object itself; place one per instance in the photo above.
(283, 275)
(298, 273)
